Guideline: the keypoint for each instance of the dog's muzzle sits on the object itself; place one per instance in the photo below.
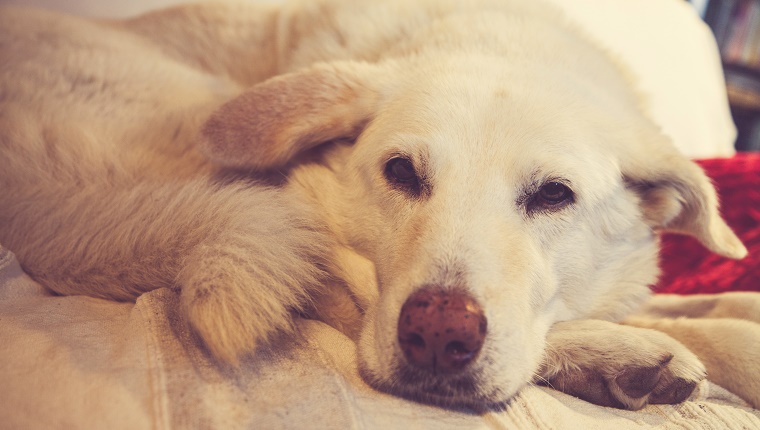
(441, 330)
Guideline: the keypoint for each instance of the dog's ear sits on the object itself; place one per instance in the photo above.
(677, 196)
(273, 121)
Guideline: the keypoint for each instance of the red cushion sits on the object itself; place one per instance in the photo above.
(688, 267)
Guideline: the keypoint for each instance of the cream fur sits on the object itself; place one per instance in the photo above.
(237, 152)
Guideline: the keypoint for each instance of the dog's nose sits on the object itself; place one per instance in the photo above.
(442, 330)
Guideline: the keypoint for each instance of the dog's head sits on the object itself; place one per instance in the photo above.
(491, 201)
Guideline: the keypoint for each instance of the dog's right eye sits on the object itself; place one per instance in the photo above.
(551, 196)
(400, 172)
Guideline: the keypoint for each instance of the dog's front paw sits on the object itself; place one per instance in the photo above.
(619, 366)
(228, 328)
(241, 289)
(232, 308)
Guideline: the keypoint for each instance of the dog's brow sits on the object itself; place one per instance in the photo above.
(538, 178)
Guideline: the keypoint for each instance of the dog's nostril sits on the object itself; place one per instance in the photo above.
(441, 329)
(415, 340)
(456, 348)
(458, 355)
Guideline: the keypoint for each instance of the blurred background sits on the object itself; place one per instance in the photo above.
(736, 26)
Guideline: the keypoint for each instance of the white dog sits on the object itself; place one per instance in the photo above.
(475, 181)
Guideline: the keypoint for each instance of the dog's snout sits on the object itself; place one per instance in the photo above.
(441, 330)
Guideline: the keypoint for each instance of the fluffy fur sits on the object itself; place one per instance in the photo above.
(238, 152)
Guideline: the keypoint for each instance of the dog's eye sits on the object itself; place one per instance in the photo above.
(551, 196)
(400, 172)
(554, 193)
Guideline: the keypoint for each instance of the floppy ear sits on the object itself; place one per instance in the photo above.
(677, 196)
(275, 120)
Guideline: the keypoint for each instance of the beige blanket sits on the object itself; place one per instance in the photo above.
(79, 362)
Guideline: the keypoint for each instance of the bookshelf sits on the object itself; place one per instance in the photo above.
(736, 25)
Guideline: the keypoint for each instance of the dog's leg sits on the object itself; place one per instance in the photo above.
(240, 288)
(81, 223)
(739, 305)
(335, 306)
(721, 329)
(618, 366)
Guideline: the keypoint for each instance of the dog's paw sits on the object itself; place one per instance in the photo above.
(727, 347)
(619, 366)
(226, 331)
(236, 298)
(242, 289)
(230, 311)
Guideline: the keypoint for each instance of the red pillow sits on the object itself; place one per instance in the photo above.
(688, 267)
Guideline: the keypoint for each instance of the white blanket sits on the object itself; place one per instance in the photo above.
(79, 362)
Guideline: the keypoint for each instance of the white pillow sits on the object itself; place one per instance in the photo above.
(675, 56)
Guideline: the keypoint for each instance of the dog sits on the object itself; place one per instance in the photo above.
(472, 190)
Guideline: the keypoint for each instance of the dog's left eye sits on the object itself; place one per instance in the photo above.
(400, 172)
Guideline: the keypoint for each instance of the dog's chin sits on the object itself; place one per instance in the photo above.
(464, 392)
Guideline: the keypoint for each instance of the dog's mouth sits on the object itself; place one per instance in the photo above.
(459, 392)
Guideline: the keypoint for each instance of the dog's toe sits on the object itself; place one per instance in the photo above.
(676, 392)
(661, 384)
(637, 382)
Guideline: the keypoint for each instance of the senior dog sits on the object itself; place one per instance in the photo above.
(474, 181)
